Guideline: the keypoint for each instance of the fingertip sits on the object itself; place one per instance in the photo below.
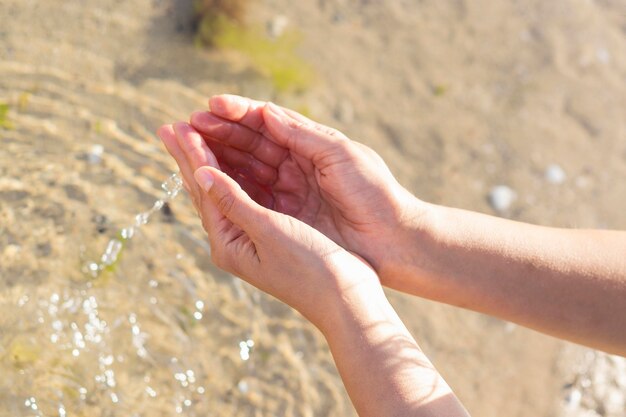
(181, 128)
(199, 119)
(166, 131)
(216, 103)
(229, 106)
(204, 177)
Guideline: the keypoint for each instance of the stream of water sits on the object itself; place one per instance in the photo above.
(171, 187)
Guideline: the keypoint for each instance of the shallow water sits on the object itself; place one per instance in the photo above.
(162, 331)
(159, 331)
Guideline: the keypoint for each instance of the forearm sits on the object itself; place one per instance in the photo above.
(567, 283)
(383, 369)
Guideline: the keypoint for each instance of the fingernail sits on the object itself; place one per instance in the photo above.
(204, 178)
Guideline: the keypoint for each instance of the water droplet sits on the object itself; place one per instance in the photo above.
(110, 255)
(92, 269)
(158, 205)
(172, 185)
(141, 219)
(151, 392)
(128, 232)
(245, 347)
(23, 300)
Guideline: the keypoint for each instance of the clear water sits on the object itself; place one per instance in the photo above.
(103, 313)
(162, 332)
(596, 387)
(171, 187)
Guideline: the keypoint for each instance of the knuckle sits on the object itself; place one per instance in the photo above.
(225, 203)
(347, 148)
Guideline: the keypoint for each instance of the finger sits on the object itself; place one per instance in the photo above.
(231, 200)
(299, 134)
(194, 147)
(168, 137)
(239, 136)
(238, 109)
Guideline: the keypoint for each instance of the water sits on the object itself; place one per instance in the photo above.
(168, 331)
(171, 187)
(596, 387)
(94, 320)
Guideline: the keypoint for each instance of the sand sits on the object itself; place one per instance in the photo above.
(457, 96)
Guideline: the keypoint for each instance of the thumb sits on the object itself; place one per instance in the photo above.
(229, 198)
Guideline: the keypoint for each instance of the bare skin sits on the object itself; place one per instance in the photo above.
(312, 193)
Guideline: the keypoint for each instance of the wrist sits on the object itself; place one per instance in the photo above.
(358, 298)
(357, 310)
(410, 237)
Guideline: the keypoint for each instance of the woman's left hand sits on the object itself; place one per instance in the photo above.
(272, 251)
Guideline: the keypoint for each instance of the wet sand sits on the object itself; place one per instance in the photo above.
(457, 96)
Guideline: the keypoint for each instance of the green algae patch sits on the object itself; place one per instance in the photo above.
(439, 90)
(5, 123)
(220, 24)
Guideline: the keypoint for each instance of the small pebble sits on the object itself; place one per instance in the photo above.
(555, 174)
(276, 27)
(95, 154)
(243, 386)
(501, 197)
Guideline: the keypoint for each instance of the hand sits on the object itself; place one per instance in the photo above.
(295, 166)
(274, 252)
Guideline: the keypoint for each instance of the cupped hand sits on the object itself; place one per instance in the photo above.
(275, 252)
(295, 166)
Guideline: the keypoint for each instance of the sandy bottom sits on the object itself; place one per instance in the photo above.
(458, 97)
